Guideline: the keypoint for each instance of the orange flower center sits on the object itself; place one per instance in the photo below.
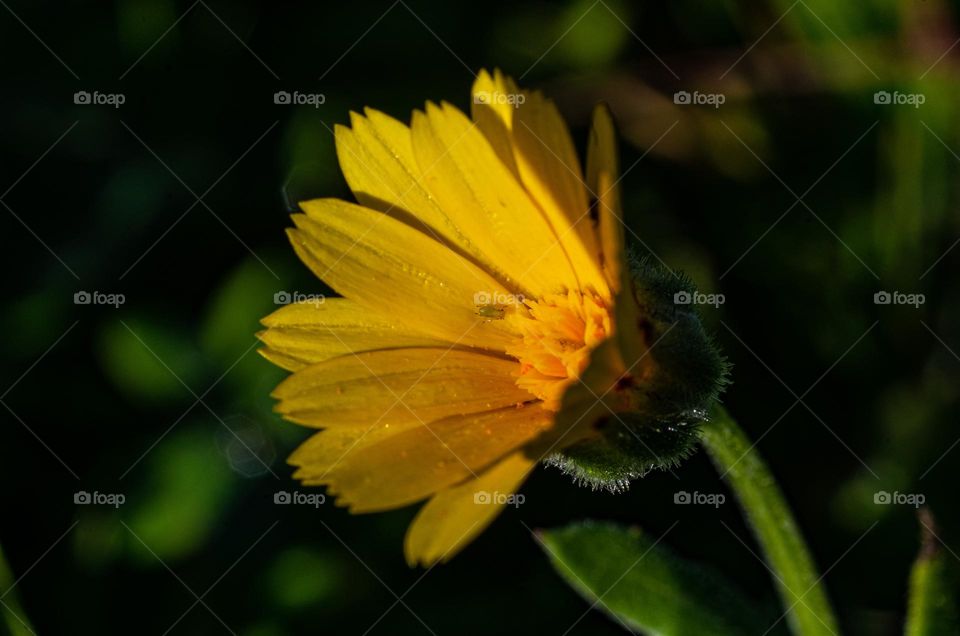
(558, 333)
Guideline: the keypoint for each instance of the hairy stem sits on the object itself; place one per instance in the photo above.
(808, 611)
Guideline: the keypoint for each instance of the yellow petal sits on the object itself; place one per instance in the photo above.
(453, 517)
(415, 463)
(550, 171)
(602, 175)
(324, 451)
(602, 179)
(301, 334)
(390, 268)
(484, 199)
(391, 387)
(493, 113)
(531, 138)
(376, 156)
(282, 360)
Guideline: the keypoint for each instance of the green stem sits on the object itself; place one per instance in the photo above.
(931, 610)
(809, 612)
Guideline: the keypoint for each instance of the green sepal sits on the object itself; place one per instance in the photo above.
(689, 373)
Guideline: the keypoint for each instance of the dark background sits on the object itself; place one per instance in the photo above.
(104, 199)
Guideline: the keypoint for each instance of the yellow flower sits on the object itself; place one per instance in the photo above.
(479, 328)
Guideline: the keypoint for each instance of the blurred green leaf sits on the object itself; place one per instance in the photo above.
(645, 585)
(232, 320)
(20, 318)
(144, 358)
(15, 621)
(141, 22)
(584, 34)
(899, 456)
(932, 608)
(309, 145)
(820, 20)
(235, 310)
(187, 489)
(301, 577)
(591, 35)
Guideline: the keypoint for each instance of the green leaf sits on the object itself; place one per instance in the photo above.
(644, 585)
(596, 37)
(15, 622)
(232, 318)
(932, 609)
(149, 360)
(801, 590)
(301, 578)
(186, 491)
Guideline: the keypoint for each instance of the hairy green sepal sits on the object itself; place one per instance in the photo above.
(689, 374)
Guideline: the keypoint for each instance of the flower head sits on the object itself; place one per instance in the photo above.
(489, 318)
